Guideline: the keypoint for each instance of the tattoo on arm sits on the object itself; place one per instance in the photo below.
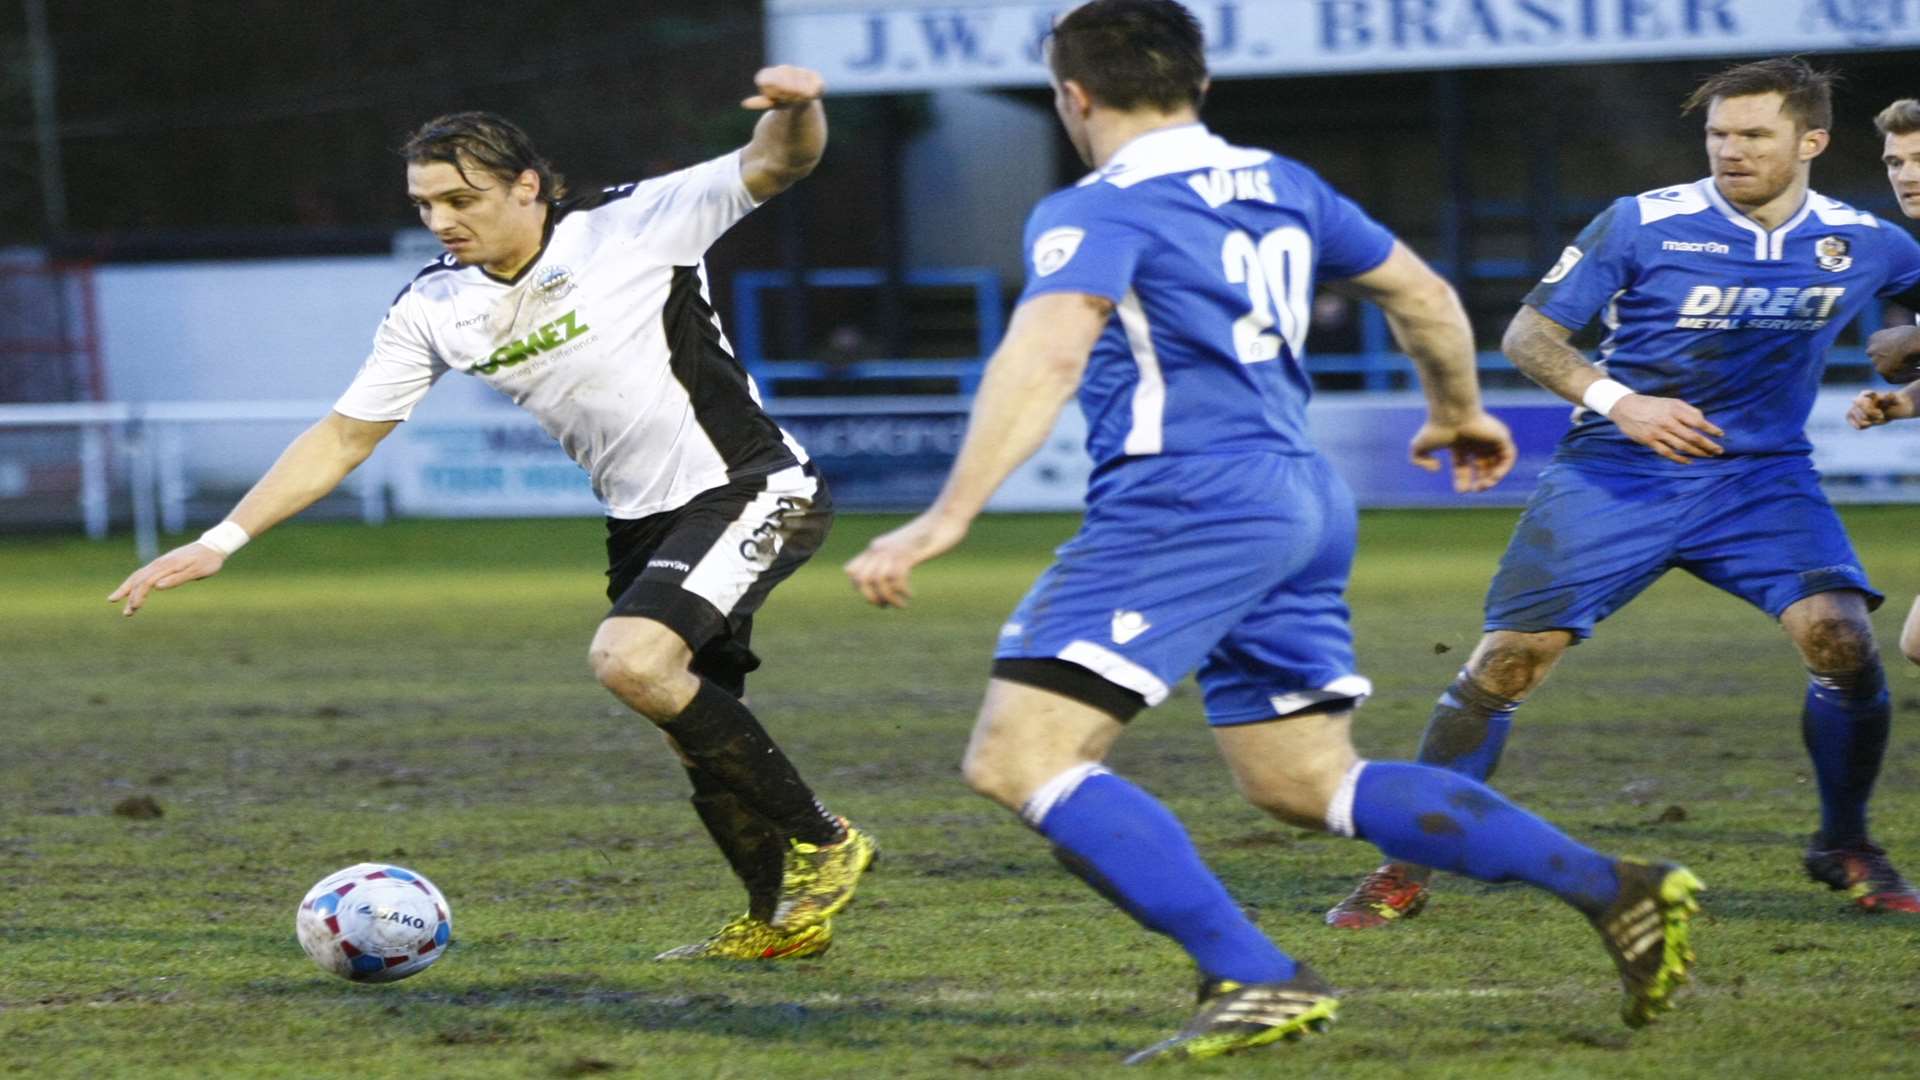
(1539, 347)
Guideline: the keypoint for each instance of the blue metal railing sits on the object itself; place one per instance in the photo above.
(749, 341)
(1375, 366)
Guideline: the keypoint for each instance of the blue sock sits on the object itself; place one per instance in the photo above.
(1133, 851)
(1467, 729)
(1845, 726)
(1420, 814)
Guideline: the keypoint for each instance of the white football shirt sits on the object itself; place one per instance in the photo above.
(608, 338)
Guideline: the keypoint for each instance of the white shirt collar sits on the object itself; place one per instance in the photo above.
(1767, 244)
(1171, 150)
(1180, 141)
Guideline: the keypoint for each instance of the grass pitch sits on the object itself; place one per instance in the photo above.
(419, 693)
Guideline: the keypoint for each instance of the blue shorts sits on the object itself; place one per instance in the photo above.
(1235, 564)
(1591, 540)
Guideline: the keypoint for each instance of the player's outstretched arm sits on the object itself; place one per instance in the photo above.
(1032, 374)
(312, 465)
(1670, 427)
(789, 139)
(1895, 352)
(1431, 327)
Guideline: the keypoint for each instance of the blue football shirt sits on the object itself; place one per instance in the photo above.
(1209, 253)
(1703, 304)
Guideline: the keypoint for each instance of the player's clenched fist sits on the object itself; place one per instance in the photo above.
(1895, 352)
(1481, 446)
(880, 572)
(784, 87)
(1668, 426)
(1875, 407)
(177, 567)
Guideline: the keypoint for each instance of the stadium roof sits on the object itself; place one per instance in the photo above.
(897, 45)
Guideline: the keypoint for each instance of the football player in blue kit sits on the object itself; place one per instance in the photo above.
(1171, 288)
(1896, 350)
(1721, 298)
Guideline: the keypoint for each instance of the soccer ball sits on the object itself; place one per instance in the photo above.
(374, 923)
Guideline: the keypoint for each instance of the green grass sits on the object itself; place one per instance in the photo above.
(419, 693)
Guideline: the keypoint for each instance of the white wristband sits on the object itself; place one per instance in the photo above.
(225, 538)
(1602, 396)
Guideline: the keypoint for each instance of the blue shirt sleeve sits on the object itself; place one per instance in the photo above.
(1903, 266)
(1589, 274)
(1080, 241)
(1351, 242)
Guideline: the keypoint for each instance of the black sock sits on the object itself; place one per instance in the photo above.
(750, 842)
(722, 739)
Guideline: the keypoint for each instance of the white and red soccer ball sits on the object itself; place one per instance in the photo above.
(374, 923)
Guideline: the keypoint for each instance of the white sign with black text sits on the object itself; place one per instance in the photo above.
(877, 45)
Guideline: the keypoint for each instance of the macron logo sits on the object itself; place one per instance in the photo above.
(1707, 247)
(1128, 625)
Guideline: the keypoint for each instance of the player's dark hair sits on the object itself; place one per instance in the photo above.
(1900, 118)
(486, 141)
(1130, 53)
(1808, 92)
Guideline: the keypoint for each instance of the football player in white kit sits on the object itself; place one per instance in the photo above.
(592, 313)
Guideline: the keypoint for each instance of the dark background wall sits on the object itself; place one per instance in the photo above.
(197, 128)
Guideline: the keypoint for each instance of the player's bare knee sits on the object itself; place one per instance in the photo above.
(1838, 644)
(645, 664)
(647, 682)
(1509, 671)
(1514, 665)
(993, 774)
(616, 670)
(981, 777)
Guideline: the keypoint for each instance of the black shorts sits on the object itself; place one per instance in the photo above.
(704, 569)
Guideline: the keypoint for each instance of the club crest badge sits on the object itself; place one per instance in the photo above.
(1055, 248)
(1833, 253)
(553, 282)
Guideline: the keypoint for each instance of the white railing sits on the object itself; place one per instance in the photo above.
(422, 469)
(149, 435)
(434, 464)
